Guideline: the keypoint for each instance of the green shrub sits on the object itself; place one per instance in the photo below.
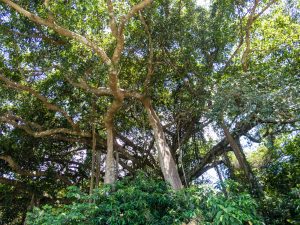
(147, 201)
(232, 209)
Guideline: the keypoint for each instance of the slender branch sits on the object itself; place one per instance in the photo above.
(246, 36)
(16, 168)
(13, 120)
(43, 99)
(138, 7)
(120, 36)
(250, 21)
(60, 30)
(130, 143)
(34, 35)
(112, 22)
(100, 91)
(11, 182)
(264, 9)
(150, 60)
(19, 170)
(290, 121)
(103, 91)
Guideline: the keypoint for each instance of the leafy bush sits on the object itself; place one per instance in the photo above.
(281, 180)
(233, 208)
(148, 201)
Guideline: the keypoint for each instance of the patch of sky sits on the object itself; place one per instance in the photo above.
(203, 3)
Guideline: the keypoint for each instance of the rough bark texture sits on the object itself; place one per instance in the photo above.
(236, 150)
(166, 160)
(110, 170)
(110, 160)
(236, 147)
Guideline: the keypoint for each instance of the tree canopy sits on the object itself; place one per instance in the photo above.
(96, 91)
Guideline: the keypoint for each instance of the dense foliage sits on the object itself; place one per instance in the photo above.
(280, 175)
(149, 201)
(188, 92)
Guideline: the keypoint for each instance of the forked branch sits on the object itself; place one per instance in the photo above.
(60, 30)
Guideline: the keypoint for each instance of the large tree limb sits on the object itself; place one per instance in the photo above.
(110, 161)
(120, 36)
(100, 91)
(17, 169)
(112, 22)
(19, 123)
(237, 152)
(150, 69)
(166, 161)
(219, 149)
(60, 30)
(43, 99)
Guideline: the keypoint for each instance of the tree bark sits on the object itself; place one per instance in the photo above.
(110, 160)
(98, 165)
(236, 147)
(92, 186)
(166, 161)
(237, 151)
(110, 170)
(229, 166)
(223, 188)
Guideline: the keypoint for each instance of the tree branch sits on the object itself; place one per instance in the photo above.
(43, 99)
(60, 30)
(120, 36)
(16, 168)
(220, 148)
(247, 36)
(112, 22)
(19, 123)
(150, 49)
(100, 91)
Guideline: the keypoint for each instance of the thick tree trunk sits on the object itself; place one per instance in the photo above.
(110, 176)
(110, 171)
(257, 189)
(237, 151)
(110, 160)
(166, 161)
(236, 147)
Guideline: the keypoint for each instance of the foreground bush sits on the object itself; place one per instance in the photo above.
(149, 201)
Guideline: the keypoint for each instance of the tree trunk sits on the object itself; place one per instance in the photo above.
(235, 145)
(223, 188)
(109, 177)
(98, 165)
(110, 170)
(257, 189)
(93, 159)
(166, 160)
(229, 167)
